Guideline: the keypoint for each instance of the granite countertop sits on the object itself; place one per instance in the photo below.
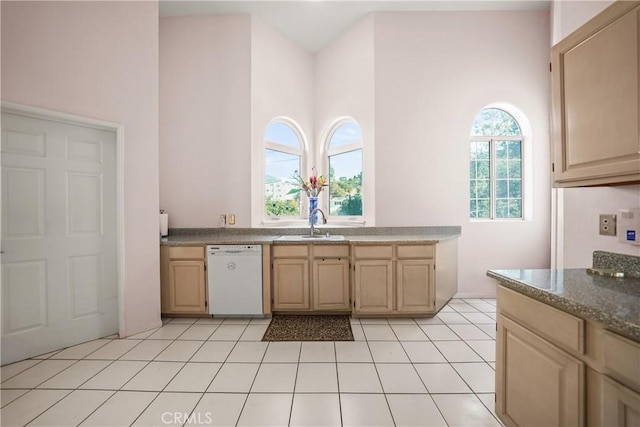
(216, 239)
(360, 235)
(614, 302)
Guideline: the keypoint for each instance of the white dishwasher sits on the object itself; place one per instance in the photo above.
(235, 280)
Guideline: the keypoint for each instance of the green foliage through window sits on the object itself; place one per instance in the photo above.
(495, 178)
(282, 157)
(345, 170)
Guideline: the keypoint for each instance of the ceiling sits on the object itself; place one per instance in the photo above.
(315, 23)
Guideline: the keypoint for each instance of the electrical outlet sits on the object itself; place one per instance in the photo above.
(607, 225)
(223, 220)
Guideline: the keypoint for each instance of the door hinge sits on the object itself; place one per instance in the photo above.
(553, 167)
(205, 267)
(549, 66)
(206, 303)
(354, 303)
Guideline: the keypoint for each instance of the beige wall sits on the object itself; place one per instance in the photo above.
(433, 73)
(414, 82)
(205, 119)
(99, 60)
(344, 86)
(282, 84)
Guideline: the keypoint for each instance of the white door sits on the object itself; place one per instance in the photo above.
(59, 280)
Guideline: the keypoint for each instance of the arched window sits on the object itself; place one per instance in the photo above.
(496, 178)
(344, 159)
(284, 154)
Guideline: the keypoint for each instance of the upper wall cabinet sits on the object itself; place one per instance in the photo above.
(596, 112)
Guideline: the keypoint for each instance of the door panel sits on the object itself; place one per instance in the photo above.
(331, 284)
(187, 286)
(374, 286)
(85, 203)
(291, 284)
(415, 285)
(23, 202)
(24, 296)
(26, 144)
(537, 384)
(84, 285)
(59, 265)
(620, 405)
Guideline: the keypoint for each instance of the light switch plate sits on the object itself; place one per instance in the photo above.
(607, 225)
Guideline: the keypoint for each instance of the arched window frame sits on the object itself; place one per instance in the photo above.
(302, 151)
(327, 153)
(525, 139)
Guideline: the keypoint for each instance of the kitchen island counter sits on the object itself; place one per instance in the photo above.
(613, 302)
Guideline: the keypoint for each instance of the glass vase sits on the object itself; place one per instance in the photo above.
(313, 204)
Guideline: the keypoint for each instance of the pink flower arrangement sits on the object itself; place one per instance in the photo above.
(312, 187)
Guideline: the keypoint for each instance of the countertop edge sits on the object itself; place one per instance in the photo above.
(615, 324)
(271, 240)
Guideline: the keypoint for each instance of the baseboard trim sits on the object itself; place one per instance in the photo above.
(472, 295)
(154, 325)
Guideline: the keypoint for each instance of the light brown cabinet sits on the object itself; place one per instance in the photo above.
(537, 383)
(401, 278)
(330, 284)
(291, 284)
(373, 286)
(556, 369)
(415, 285)
(324, 288)
(620, 405)
(385, 279)
(595, 100)
(183, 283)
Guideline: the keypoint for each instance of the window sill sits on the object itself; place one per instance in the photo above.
(498, 220)
(299, 223)
(284, 223)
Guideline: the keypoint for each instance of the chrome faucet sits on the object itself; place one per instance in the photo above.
(311, 215)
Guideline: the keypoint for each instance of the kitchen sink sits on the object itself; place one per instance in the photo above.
(315, 238)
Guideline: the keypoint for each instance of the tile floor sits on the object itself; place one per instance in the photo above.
(402, 372)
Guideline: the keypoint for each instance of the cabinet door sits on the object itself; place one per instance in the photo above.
(291, 284)
(595, 100)
(620, 405)
(187, 287)
(373, 286)
(415, 285)
(330, 284)
(537, 384)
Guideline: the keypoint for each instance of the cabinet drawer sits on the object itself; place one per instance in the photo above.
(622, 359)
(416, 251)
(186, 252)
(290, 251)
(330, 251)
(373, 252)
(563, 329)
